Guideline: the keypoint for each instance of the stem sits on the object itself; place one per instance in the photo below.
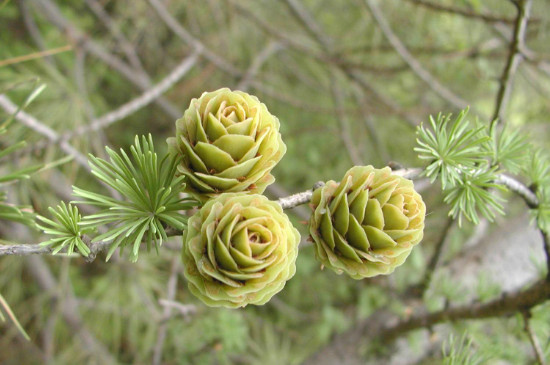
(432, 265)
(507, 304)
(514, 59)
(304, 197)
(539, 355)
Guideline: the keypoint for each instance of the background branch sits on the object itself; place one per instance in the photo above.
(539, 354)
(507, 304)
(513, 60)
(415, 66)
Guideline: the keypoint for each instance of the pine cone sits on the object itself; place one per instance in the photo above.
(239, 249)
(367, 224)
(229, 142)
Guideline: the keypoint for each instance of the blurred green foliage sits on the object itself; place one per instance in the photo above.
(381, 104)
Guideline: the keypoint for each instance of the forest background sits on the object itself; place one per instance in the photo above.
(350, 82)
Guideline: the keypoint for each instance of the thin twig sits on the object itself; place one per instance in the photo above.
(130, 107)
(32, 28)
(69, 311)
(309, 23)
(299, 198)
(24, 249)
(39, 127)
(109, 23)
(305, 196)
(183, 34)
(269, 50)
(546, 246)
(137, 78)
(35, 55)
(539, 354)
(434, 260)
(185, 310)
(97, 145)
(512, 63)
(415, 66)
(517, 187)
(378, 145)
(141, 101)
(322, 57)
(489, 18)
(171, 294)
(288, 202)
(408, 172)
(532, 202)
(345, 133)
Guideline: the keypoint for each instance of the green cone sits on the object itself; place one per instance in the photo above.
(367, 224)
(239, 249)
(229, 142)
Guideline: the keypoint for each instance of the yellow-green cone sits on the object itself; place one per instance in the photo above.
(367, 224)
(239, 249)
(229, 142)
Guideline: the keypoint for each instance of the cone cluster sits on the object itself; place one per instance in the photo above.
(240, 248)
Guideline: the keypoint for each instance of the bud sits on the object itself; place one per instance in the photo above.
(367, 224)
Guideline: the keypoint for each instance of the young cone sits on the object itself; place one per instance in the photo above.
(229, 142)
(239, 249)
(367, 224)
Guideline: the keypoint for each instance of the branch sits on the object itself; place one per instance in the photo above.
(128, 108)
(307, 21)
(184, 35)
(463, 12)
(321, 57)
(514, 58)
(35, 249)
(434, 260)
(109, 23)
(415, 66)
(143, 100)
(35, 55)
(95, 247)
(539, 354)
(36, 125)
(345, 133)
(288, 202)
(171, 294)
(137, 78)
(24, 250)
(517, 187)
(546, 246)
(299, 198)
(229, 68)
(69, 311)
(185, 310)
(532, 202)
(507, 304)
(270, 49)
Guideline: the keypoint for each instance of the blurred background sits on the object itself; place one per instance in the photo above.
(349, 80)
